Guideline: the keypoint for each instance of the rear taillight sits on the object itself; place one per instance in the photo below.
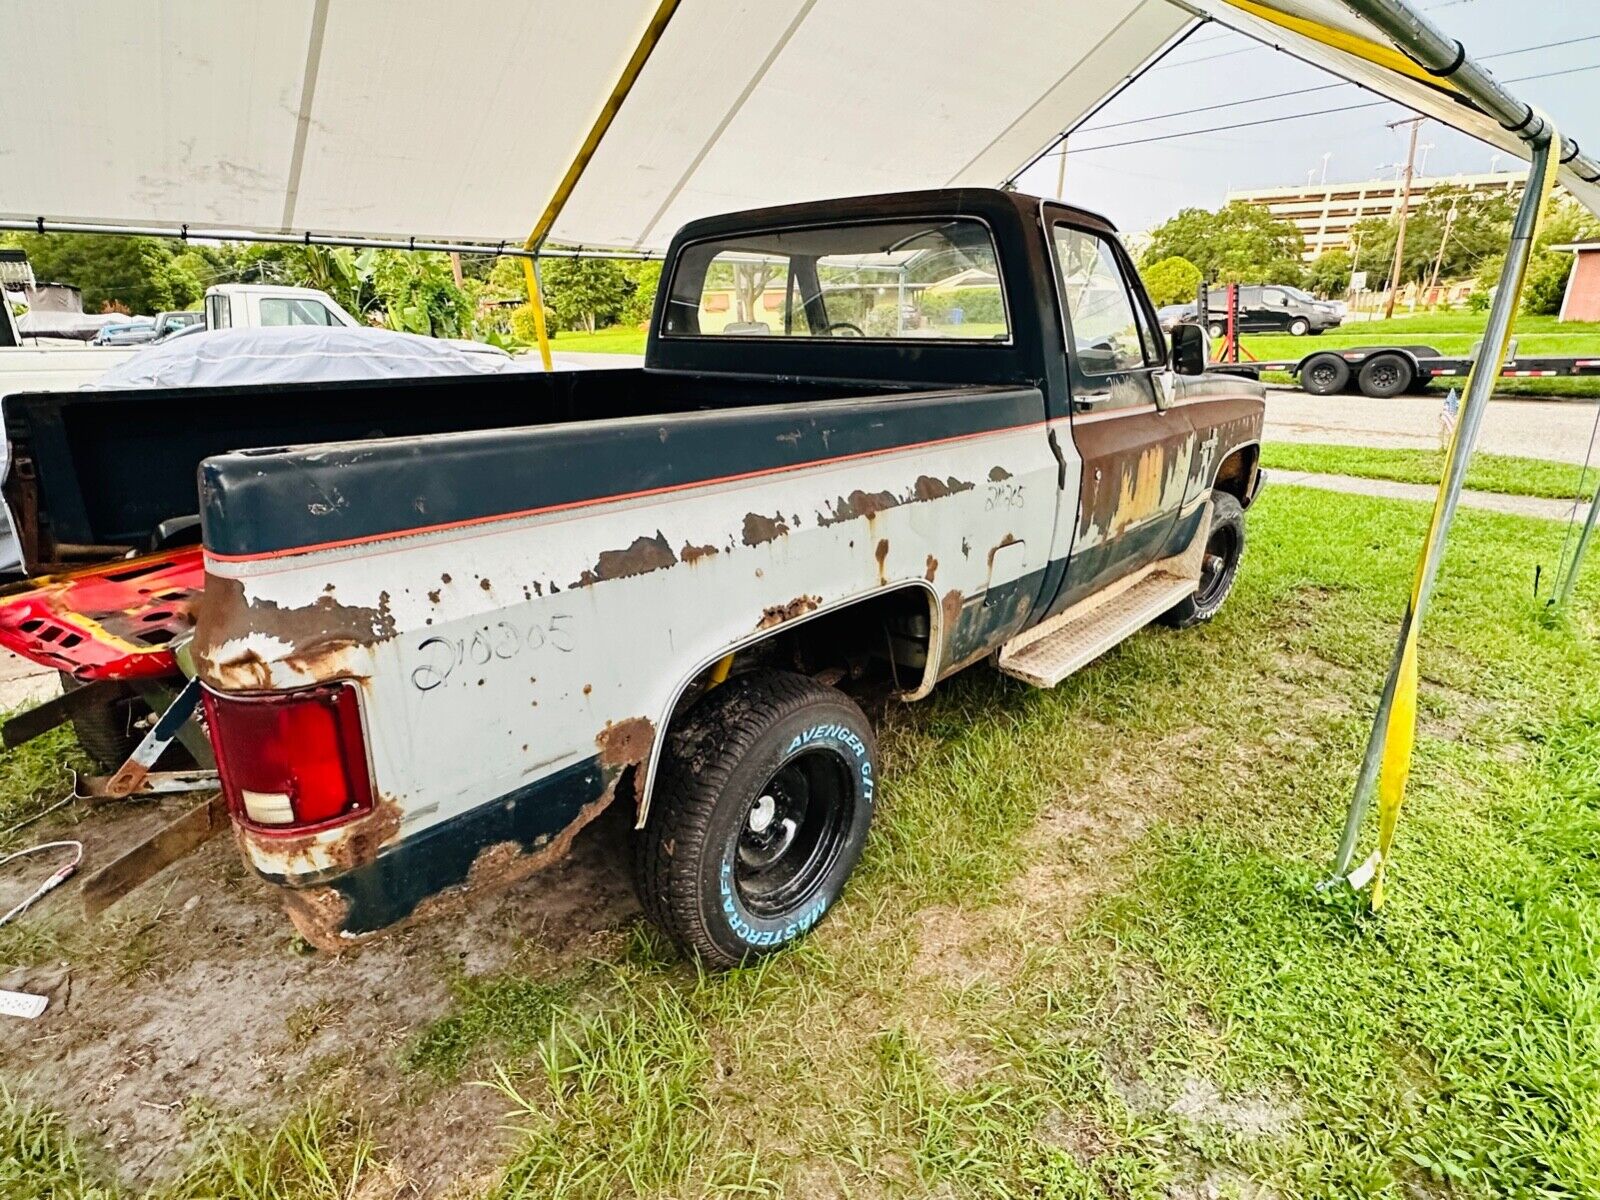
(291, 759)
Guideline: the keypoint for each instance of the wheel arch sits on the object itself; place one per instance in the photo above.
(1236, 473)
(860, 602)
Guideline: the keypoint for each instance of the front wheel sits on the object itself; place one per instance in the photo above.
(1299, 327)
(1218, 568)
(759, 816)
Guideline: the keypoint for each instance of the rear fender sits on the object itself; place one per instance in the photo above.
(936, 638)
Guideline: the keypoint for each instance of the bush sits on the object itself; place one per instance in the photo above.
(1546, 283)
(979, 305)
(1173, 280)
(522, 326)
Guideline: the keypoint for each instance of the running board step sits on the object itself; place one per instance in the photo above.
(1047, 655)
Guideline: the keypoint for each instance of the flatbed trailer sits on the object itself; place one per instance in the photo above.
(1389, 370)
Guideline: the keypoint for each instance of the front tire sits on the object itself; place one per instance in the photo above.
(1219, 568)
(1325, 375)
(1299, 327)
(759, 816)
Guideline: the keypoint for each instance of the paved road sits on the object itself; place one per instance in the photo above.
(1554, 429)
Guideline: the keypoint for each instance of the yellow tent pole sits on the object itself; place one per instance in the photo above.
(591, 143)
(536, 298)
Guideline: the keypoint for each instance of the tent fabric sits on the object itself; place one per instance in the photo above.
(407, 118)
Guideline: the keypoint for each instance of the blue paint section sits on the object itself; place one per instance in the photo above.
(390, 888)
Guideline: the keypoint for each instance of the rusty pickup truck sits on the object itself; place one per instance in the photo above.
(443, 624)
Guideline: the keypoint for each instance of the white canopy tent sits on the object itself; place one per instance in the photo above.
(402, 119)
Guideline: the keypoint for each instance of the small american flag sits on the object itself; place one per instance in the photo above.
(1447, 419)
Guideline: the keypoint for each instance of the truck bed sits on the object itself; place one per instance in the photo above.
(95, 475)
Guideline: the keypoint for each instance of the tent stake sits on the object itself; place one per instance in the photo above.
(1380, 756)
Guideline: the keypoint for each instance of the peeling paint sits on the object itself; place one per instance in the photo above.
(777, 614)
(882, 555)
(644, 555)
(759, 529)
(929, 488)
(622, 743)
(693, 554)
(857, 504)
(932, 568)
(998, 474)
(229, 628)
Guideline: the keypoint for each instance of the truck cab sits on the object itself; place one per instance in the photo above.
(236, 305)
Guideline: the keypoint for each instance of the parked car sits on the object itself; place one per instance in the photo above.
(447, 622)
(1271, 308)
(169, 323)
(135, 332)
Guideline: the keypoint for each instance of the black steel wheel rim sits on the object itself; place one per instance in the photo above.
(1323, 374)
(792, 831)
(1385, 375)
(1221, 549)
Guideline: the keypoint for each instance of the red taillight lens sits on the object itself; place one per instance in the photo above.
(291, 759)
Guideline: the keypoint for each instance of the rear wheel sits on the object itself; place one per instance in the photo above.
(1384, 375)
(1219, 567)
(1325, 374)
(759, 816)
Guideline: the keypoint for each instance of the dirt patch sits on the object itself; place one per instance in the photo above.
(1201, 1102)
(195, 992)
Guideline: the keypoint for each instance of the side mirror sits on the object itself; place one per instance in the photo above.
(1190, 348)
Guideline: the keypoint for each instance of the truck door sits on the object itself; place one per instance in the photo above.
(1135, 451)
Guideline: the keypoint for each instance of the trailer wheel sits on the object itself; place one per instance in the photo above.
(1218, 569)
(108, 732)
(1325, 374)
(1383, 376)
(760, 815)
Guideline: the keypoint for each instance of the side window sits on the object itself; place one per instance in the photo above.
(1274, 299)
(280, 311)
(1108, 334)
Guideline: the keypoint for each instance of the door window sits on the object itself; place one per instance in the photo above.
(276, 310)
(1274, 299)
(1107, 333)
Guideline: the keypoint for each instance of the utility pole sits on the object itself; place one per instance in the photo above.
(1438, 260)
(1405, 206)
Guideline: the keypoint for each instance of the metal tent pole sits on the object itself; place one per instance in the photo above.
(1570, 580)
(1480, 385)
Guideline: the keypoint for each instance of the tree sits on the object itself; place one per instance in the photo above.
(644, 277)
(1239, 243)
(1329, 273)
(144, 274)
(1468, 225)
(1172, 281)
(584, 293)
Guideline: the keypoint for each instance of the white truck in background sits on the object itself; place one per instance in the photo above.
(62, 365)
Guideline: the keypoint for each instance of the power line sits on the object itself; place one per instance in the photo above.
(1320, 112)
(1320, 88)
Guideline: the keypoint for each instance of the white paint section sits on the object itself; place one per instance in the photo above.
(502, 671)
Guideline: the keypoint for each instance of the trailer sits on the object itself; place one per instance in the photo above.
(1384, 371)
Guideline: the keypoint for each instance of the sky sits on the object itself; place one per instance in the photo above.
(1138, 187)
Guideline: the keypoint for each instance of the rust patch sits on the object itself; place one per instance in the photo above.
(857, 504)
(445, 578)
(1008, 540)
(627, 741)
(485, 584)
(646, 554)
(882, 555)
(433, 596)
(932, 569)
(777, 614)
(587, 688)
(759, 529)
(998, 474)
(966, 548)
(358, 843)
(950, 607)
(318, 914)
(929, 488)
(317, 634)
(693, 554)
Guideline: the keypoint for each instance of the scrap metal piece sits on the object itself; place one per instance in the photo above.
(42, 718)
(133, 772)
(96, 789)
(166, 846)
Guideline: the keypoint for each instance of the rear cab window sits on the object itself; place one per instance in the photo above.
(935, 278)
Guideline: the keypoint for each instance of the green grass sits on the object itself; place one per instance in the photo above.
(1504, 473)
(35, 775)
(619, 339)
(1084, 957)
